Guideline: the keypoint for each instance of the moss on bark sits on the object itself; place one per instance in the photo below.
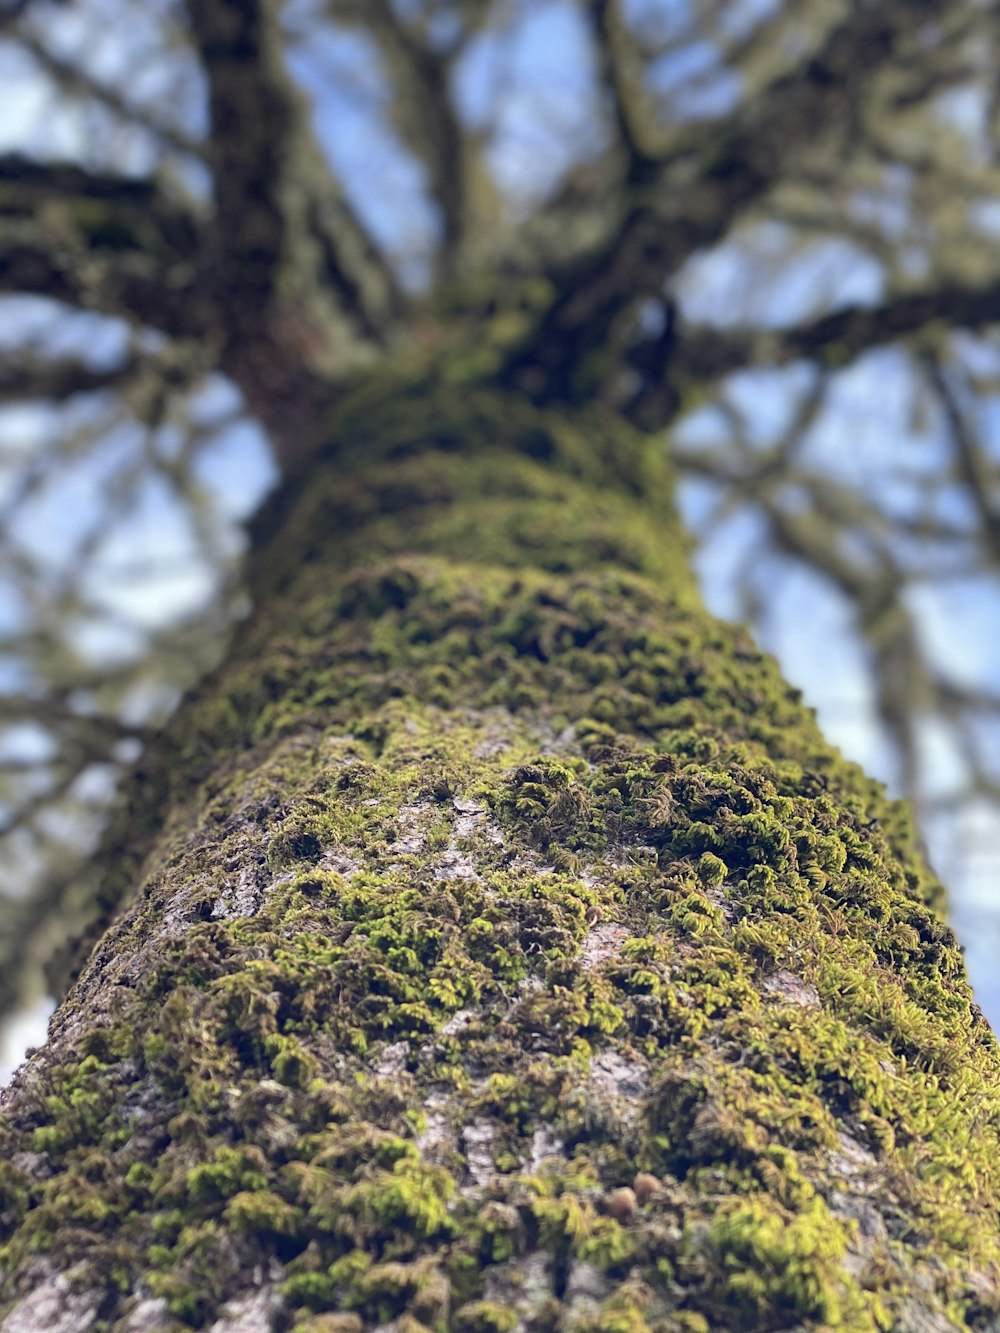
(505, 948)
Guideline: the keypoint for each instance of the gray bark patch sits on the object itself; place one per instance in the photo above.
(53, 1307)
(249, 1314)
(619, 1084)
(391, 1059)
(477, 1143)
(602, 943)
(791, 988)
(149, 1316)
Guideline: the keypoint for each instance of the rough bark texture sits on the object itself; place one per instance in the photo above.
(504, 949)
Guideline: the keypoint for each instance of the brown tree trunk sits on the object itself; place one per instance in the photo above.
(503, 948)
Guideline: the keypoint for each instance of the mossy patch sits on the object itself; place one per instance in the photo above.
(512, 949)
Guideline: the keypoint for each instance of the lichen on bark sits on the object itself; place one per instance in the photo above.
(500, 946)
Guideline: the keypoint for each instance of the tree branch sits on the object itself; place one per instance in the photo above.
(27, 184)
(301, 288)
(45, 378)
(972, 466)
(272, 188)
(252, 121)
(75, 80)
(711, 176)
(109, 243)
(427, 118)
(347, 259)
(620, 68)
(836, 339)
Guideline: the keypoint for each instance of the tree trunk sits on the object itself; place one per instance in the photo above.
(503, 948)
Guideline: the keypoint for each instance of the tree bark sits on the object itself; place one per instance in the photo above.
(501, 947)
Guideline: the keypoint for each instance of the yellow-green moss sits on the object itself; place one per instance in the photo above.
(488, 875)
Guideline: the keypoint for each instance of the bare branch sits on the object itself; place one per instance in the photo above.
(836, 339)
(347, 258)
(426, 116)
(712, 175)
(43, 378)
(270, 183)
(302, 292)
(11, 11)
(110, 243)
(76, 80)
(24, 180)
(812, 532)
(253, 116)
(972, 466)
(620, 63)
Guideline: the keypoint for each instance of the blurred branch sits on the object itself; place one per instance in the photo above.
(25, 812)
(972, 466)
(46, 378)
(29, 931)
(425, 115)
(73, 79)
(110, 243)
(347, 259)
(91, 730)
(253, 113)
(11, 11)
(812, 530)
(27, 184)
(622, 72)
(836, 339)
(300, 287)
(712, 174)
(270, 183)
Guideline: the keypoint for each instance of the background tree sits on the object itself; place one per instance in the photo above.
(198, 249)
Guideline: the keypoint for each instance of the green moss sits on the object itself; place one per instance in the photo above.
(263, 1214)
(712, 869)
(329, 1323)
(229, 1172)
(513, 875)
(316, 1291)
(412, 1196)
(778, 1265)
(486, 1317)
